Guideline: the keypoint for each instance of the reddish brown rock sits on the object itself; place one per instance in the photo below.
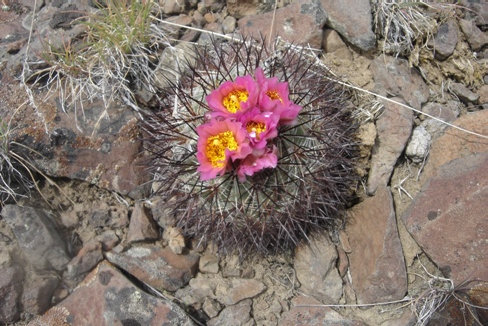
(448, 218)
(106, 297)
(304, 311)
(353, 20)
(142, 227)
(376, 262)
(156, 266)
(301, 23)
(97, 144)
(393, 76)
(87, 258)
(455, 143)
(394, 127)
(315, 266)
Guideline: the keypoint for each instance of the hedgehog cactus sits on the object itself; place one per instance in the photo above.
(253, 150)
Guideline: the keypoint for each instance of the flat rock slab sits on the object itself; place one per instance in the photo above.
(315, 267)
(449, 221)
(300, 23)
(376, 262)
(455, 143)
(156, 266)
(106, 297)
(305, 311)
(353, 20)
(393, 127)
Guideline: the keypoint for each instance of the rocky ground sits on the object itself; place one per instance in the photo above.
(92, 247)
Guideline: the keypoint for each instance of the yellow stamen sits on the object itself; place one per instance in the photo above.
(256, 127)
(232, 101)
(274, 95)
(216, 146)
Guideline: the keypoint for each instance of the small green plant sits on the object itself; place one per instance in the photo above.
(120, 25)
(113, 57)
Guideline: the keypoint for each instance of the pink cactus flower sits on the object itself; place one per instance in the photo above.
(232, 99)
(261, 127)
(219, 141)
(274, 97)
(255, 163)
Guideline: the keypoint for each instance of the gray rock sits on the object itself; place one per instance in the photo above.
(419, 144)
(38, 291)
(173, 61)
(64, 17)
(353, 20)
(446, 112)
(238, 289)
(209, 264)
(229, 24)
(394, 127)
(376, 262)
(446, 39)
(211, 307)
(393, 76)
(11, 277)
(478, 11)
(37, 237)
(198, 289)
(315, 266)
(238, 315)
(172, 6)
(464, 93)
(476, 38)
